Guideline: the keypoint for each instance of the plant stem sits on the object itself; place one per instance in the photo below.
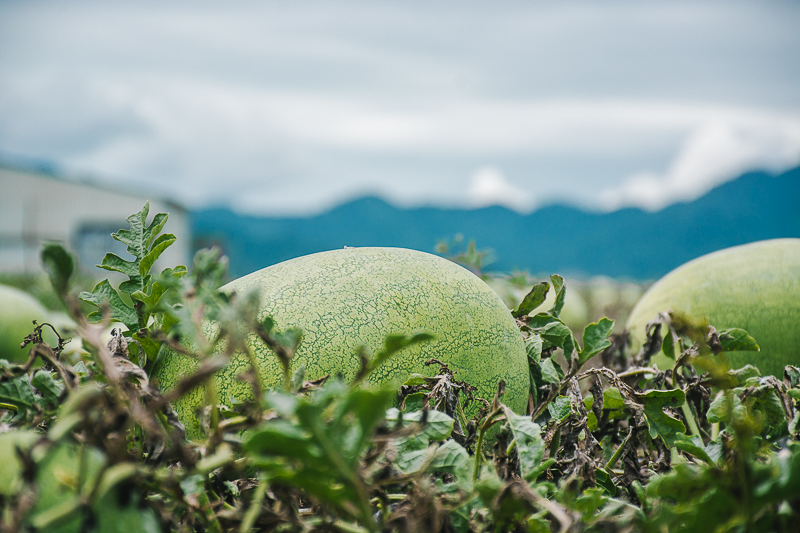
(478, 454)
(618, 452)
(489, 422)
(555, 443)
(255, 506)
(687, 412)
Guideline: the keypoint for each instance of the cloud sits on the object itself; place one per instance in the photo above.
(291, 108)
(715, 152)
(489, 186)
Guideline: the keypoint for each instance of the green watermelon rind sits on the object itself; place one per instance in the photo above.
(342, 299)
(18, 310)
(755, 287)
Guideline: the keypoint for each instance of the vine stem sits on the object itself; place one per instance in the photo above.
(618, 452)
(687, 412)
(490, 420)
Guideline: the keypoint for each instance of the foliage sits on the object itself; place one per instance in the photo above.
(88, 444)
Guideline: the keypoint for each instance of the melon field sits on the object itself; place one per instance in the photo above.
(387, 390)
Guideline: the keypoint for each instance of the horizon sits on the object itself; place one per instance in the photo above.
(51, 170)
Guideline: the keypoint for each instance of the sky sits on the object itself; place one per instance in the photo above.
(284, 108)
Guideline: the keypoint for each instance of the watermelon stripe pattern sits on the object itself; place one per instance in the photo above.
(755, 287)
(347, 298)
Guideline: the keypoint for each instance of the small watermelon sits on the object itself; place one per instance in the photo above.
(18, 310)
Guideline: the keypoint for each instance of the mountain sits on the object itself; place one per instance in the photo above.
(628, 243)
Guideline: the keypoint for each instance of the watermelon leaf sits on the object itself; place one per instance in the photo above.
(145, 245)
(561, 293)
(737, 340)
(104, 293)
(532, 300)
(595, 339)
(659, 422)
(528, 439)
(59, 264)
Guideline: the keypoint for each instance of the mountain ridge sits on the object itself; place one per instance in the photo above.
(628, 243)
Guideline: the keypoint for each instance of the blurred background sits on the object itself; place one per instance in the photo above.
(608, 142)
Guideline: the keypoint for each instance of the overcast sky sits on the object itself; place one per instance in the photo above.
(294, 106)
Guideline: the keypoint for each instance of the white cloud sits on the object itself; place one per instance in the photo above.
(715, 152)
(489, 186)
(292, 107)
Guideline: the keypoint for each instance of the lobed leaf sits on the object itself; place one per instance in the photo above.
(660, 423)
(102, 294)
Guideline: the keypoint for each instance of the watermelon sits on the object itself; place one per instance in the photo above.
(755, 287)
(353, 297)
(18, 310)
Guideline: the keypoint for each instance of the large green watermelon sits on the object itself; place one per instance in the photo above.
(755, 287)
(347, 298)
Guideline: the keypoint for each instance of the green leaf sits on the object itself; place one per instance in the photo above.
(794, 426)
(452, 458)
(612, 399)
(155, 228)
(49, 389)
(411, 459)
(553, 332)
(281, 437)
(595, 339)
(438, 425)
(59, 264)
(530, 445)
(193, 485)
(159, 245)
(166, 281)
(532, 300)
(737, 340)
(324, 436)
(792, 375)
(297, 378)
(668, 346)
(289, 339)
(721, 410)
(589, 503)
(741, 375)
(104, 293)
(693, 444)
(533, 347)
(561, 292)
(368, 406)
(132, 516)
(17, 392)
(551, 371)
(11, 480)
(393, 344)
(560, 408)
(764, 404)
(139, 237)
(660, 423)
(786, 485)
(415, 379)
(151, 349)
(115, 263)
(605, 481)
